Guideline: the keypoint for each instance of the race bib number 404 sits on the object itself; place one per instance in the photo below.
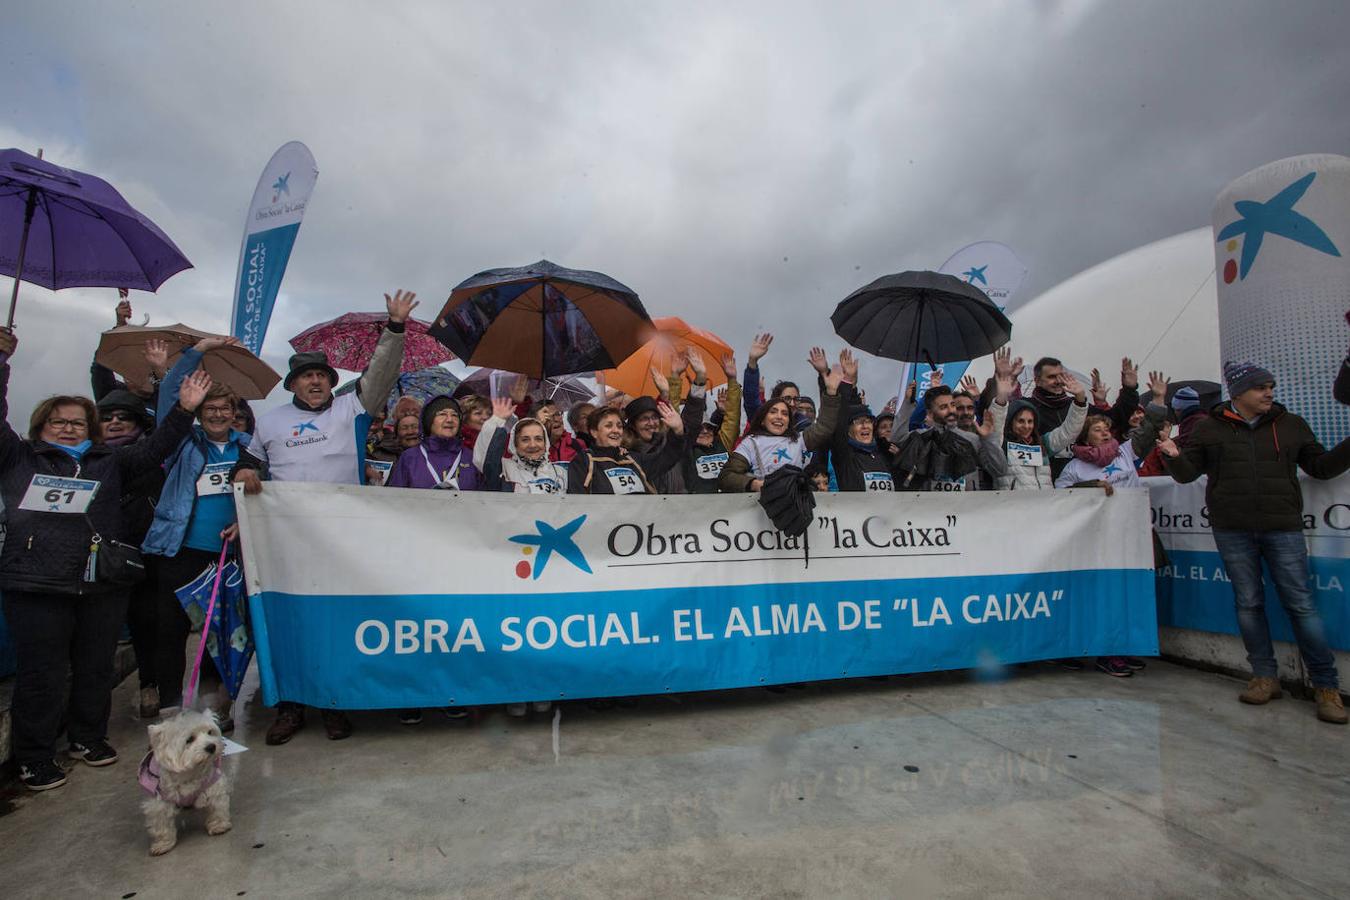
(53, 494)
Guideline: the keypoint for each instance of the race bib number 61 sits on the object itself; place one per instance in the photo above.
(53, 494)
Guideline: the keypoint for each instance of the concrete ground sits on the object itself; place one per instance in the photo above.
(1049, 783)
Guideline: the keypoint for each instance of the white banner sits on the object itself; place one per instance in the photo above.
(381, 597)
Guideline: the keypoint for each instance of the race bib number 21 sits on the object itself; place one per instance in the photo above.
(53, 494)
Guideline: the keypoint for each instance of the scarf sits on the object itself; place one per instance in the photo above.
(77, 451)
(1053, 401)
(123, 439)
(1100, 455)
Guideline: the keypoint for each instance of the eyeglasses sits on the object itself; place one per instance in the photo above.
(116, 416)
(76, 424)
(218, 410)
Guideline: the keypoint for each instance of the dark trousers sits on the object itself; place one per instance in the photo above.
(142, 601)
(54, 634)
(172, 626)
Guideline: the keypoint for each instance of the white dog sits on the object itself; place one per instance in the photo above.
(182, 771)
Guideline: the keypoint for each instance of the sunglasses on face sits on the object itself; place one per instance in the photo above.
(117, 416)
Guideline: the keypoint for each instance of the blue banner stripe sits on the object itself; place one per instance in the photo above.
(264, 265)
(308, 644)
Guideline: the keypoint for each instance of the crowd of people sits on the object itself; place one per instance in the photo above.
(152, 466)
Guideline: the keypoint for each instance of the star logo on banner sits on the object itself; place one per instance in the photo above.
(281, 186)
(976, 273)
(550, 540)
(1275, 216)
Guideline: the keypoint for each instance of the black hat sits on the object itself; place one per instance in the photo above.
(859, 411)
(637, 407)
(304, 362)
(128, 402)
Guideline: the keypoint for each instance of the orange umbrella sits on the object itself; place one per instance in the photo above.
(673, 336)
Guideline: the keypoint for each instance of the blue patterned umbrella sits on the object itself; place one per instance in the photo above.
(227, 637)
(421, 385)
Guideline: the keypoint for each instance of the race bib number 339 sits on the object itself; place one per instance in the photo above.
(54, 494)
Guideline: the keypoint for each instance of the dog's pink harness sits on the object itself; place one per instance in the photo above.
(148, 776)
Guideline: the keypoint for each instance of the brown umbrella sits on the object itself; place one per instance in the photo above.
(122, 349)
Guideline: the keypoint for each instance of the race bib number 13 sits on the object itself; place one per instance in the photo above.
(53, 494)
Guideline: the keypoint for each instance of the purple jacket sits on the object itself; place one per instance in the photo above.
(432, 462)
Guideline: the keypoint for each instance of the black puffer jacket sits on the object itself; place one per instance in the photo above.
(1253, 482)
(47, 552)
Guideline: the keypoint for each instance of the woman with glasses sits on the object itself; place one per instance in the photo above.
(194, 519)
(62, 485)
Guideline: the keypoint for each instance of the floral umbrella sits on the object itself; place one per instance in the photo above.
(349, 340)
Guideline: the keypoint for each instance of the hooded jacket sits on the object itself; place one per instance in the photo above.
(1253, 482)
(437, 462)
(1024, 472)
(515, 473)
(140, 494)
(46, 552)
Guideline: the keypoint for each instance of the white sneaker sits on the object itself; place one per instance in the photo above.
(515, 709)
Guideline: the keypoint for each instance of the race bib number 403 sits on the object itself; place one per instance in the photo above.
(878, 481)
(53, 494)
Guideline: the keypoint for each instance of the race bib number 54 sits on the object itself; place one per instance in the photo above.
(624, 480)
(53, 494)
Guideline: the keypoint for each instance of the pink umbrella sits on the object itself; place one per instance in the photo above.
(349, 340)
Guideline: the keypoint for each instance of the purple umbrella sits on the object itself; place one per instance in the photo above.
(75, 230)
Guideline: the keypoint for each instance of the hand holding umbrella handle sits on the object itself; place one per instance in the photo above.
(123, 308)
(206, 345)
(8, 342)
(400, 305)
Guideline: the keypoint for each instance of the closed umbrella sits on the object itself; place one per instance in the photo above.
(673, 335)
(542, 319)
(70, 229)
(921, 317)
(350, 339)
(122, 349)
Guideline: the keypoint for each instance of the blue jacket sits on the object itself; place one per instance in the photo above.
(184, 467)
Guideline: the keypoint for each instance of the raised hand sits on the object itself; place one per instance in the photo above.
(700, 368)
(1157, 383)
(849, 365)
(400, 305)
(503, 407)
(193, 390)
(662, 382)
(1003, 361)
(1004, 385)
(970, 385)
(1075, 387)
(936, 380)
(679, 361)
(833, 379)
(729, 366)
(911, 391)
(1098, 388)
(1168, 447)
(1017, 367)
(156, 355)
(1129, 373)
(670, 417)
(985, 428)
(206, 345)
(818, 361)
(722, 399)
(758, 347)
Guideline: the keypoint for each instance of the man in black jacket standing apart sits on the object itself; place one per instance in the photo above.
(1249, 447)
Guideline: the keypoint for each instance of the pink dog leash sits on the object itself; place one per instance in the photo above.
(206, 628)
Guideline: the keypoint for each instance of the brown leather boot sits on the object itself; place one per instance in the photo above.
(1261, 690)
(336, 723)
(290, 719)
(1330, 707)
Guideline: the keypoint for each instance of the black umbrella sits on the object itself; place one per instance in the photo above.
(922, 317)
(542, 320)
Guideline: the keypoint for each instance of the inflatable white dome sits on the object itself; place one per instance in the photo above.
(1123, 307)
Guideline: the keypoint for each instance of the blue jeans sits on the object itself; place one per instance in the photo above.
(1286, 557)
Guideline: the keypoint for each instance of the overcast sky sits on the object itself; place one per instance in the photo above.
(743, 165)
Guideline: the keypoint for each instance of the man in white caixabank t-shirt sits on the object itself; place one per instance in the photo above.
(318, 437)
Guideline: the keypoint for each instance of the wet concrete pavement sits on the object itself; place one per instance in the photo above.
(1048, 783)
